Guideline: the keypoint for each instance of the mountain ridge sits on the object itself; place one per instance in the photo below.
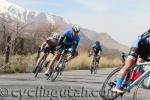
(14, 12)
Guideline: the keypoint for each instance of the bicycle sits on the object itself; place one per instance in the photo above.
(146, 83)
(58, 66)
(94, 64)
(127, 85)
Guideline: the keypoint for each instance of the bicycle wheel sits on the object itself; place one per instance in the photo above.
(146, 83)
(95, 66)
(38, 69)
(62, 68)
(55, 72)
(92, 68)
(45, 64)
(106, 90)
(50, 73)
(141, 93)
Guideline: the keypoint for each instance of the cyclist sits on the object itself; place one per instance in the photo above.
(47, 46)
(141, 48)
(97, 50)
(123, 56)
(70, 41)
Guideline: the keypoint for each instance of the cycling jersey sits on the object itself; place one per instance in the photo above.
(141, 47)
(69, 41)
(96, 48)
(50, 45)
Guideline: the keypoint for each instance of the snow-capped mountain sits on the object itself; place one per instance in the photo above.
(14, 12)
(17, 13)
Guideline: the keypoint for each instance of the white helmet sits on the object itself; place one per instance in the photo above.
(56, 35)
(76, 28)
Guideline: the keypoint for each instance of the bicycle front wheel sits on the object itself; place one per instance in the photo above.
(146, 83)
(141, 93)
(38, 69)
(106, 90)
(92, 68)
(55, 72)
(95, 66)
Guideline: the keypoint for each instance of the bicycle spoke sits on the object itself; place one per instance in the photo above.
(140, 92)
(106, 91)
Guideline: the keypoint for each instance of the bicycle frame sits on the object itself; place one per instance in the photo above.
(94, 57)
(141, 77)
(61, 58)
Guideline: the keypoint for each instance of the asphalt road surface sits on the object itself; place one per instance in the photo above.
(71, 85)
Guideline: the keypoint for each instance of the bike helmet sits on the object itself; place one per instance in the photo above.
(75, 28)
(122, 53)
(149, 31)
(97, 43)
(56, 35)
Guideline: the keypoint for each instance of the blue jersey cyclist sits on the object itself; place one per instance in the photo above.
(69, 41)
(140, 49)
(96, 50)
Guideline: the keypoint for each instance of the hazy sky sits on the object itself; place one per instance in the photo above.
(121, 19)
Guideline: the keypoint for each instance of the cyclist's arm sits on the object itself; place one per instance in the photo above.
(61, 40)
(90, 53)
(74, 47)
(100, 53)
(100, 49)
(43, 45)
(92, 49)
(64, 39)
(134, 51)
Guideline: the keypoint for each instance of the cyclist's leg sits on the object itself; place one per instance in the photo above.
(128, 64)
(54, 58)
(42, 54)
(139, 60)
(135, 70)
(98, 58)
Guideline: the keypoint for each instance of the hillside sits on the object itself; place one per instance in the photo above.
(41, 22)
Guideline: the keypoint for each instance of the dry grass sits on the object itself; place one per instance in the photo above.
(24, 64)
(19, 63)
(84, 62)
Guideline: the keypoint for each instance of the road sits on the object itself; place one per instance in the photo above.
(72, 85)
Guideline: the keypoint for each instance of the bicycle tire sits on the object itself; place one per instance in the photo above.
(91, 68)
(38, 69)
(95, 66)
(144, 85)
(45, 64)
(139, 88)
(57, 69)
(103, 89)
(55, 73)
(62, 69)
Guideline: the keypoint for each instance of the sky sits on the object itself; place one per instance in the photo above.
(123, 20)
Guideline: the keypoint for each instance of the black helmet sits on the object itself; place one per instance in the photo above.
(122, 53)
(97, 43)
(148, 30)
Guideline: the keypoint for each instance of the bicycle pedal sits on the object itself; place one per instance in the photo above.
(121, 95)
(111, 84)
(57, 69)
